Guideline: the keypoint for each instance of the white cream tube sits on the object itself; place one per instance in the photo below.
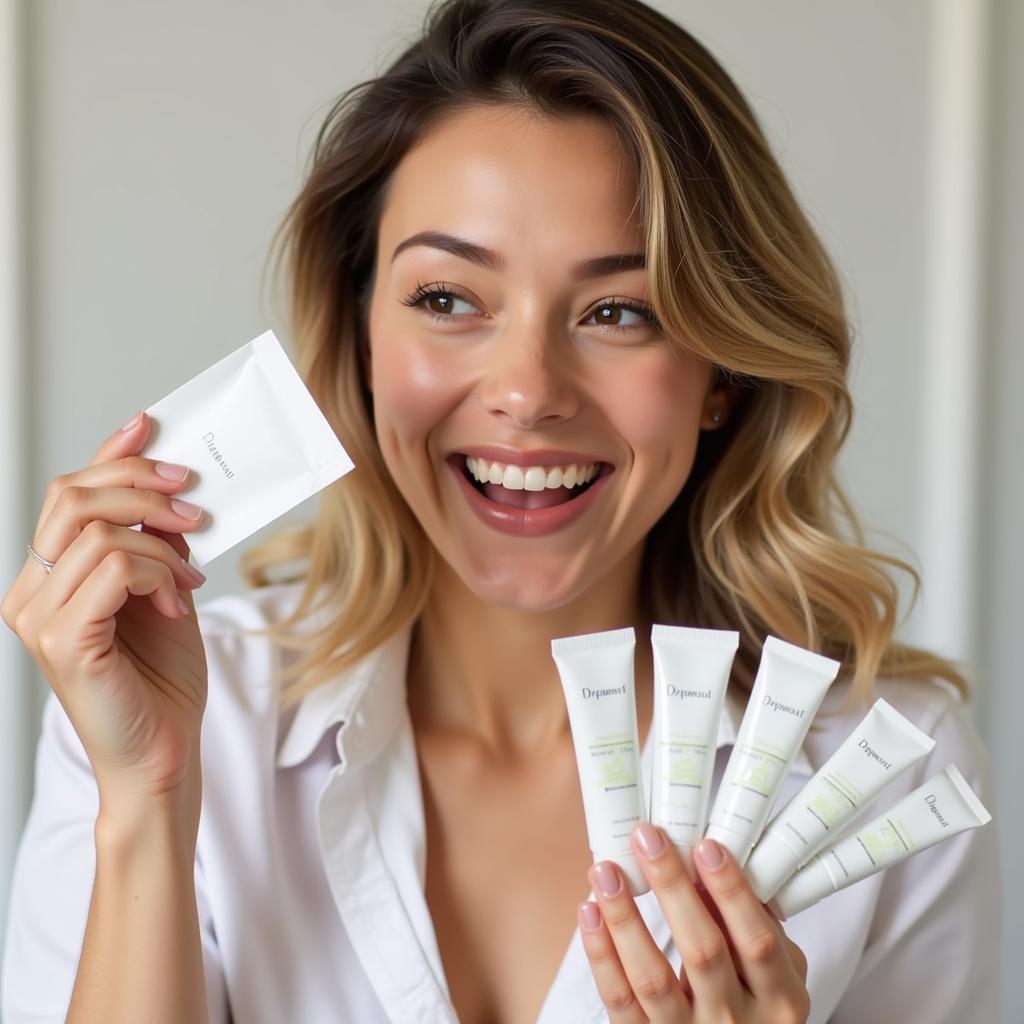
(596, 670)
(691, 675)
(788, 688)
(940, 809)
(882, 746)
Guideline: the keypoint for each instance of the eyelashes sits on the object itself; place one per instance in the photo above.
(439, 289)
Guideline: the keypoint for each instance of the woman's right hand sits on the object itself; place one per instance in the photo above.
(112, 625)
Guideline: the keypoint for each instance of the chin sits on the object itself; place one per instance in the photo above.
(524, 588)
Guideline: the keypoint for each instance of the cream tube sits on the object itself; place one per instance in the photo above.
(882, 746)
(691, 675)
(596, 670)
(940, 809)
(789, 686)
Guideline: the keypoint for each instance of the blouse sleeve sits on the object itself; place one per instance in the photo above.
(52, 887)
(933, 950)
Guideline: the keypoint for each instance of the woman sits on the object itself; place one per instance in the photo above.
(556, 297)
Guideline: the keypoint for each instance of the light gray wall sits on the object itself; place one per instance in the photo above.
(165, 141)
(1000, 612)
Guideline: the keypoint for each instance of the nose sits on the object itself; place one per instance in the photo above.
(528, 380)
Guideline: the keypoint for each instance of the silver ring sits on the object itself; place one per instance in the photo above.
(39, 558)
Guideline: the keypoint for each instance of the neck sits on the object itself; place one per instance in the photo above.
(484, 673)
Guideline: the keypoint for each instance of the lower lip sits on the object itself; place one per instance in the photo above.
(526, 522)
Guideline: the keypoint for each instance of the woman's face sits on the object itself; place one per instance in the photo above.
(525, 366)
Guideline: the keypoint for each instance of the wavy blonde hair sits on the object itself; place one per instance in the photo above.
(761, 538)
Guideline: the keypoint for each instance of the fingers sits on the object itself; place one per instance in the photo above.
(116, 465)
(97, 540)
(176, 541)
(92, 607)
(647, 974)
(613, 985)
(126, 471)
(119, 451)
(764, 953)
(129, 438)
(122, 506)
(703, 947)
(119, 575)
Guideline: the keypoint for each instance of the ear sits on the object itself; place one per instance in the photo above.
(719, 402)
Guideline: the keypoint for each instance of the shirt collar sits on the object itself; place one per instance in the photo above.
(369, 698)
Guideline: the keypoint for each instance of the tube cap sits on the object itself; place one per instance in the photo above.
(771, 863)
(738, 845)
(630, 867)
(810, 884)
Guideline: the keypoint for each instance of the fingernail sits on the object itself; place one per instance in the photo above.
(648, 838)
(710, 854)
(171, 471)
(182, 605)
(590, 915)
(607, 879)
(131, 423)
(186, 508)
(192, 571)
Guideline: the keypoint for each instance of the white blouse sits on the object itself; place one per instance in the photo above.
(311, 855)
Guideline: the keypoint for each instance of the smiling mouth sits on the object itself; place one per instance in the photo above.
(535, 488)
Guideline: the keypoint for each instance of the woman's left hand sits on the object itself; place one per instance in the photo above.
(738, 964)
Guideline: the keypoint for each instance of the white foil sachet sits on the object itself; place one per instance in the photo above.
(255, 442)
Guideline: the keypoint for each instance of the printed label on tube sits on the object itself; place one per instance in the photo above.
(882, 746)
(596, 670)
(940, 809)
(691, 676)
(789, 686)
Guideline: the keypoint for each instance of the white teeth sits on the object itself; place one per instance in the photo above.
(513, 480)
(535, 479)
(530, 478)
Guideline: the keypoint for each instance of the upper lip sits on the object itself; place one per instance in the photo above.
(534, 457)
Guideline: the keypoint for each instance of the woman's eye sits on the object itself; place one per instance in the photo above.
(440, 303)
(611, 314)
(437, 301)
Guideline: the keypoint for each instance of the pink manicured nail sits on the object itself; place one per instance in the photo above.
(183, 606)
(607, 879)
(648, 838)
(131, 423)
(590, 915)
(171, 471)
(710, 854)
(186, 508)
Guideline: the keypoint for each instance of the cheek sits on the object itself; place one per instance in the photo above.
(657, 410)
(414, 387)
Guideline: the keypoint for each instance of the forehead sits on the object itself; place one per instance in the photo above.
(516, 180)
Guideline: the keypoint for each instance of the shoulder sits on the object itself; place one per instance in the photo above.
(242, 660)
(933, 705)
(239, 651)
(229, 614)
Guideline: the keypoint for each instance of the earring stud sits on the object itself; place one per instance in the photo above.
(716, 417)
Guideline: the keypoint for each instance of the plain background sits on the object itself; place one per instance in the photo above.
(148, 150)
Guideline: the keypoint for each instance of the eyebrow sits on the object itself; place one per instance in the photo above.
(596, 266)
